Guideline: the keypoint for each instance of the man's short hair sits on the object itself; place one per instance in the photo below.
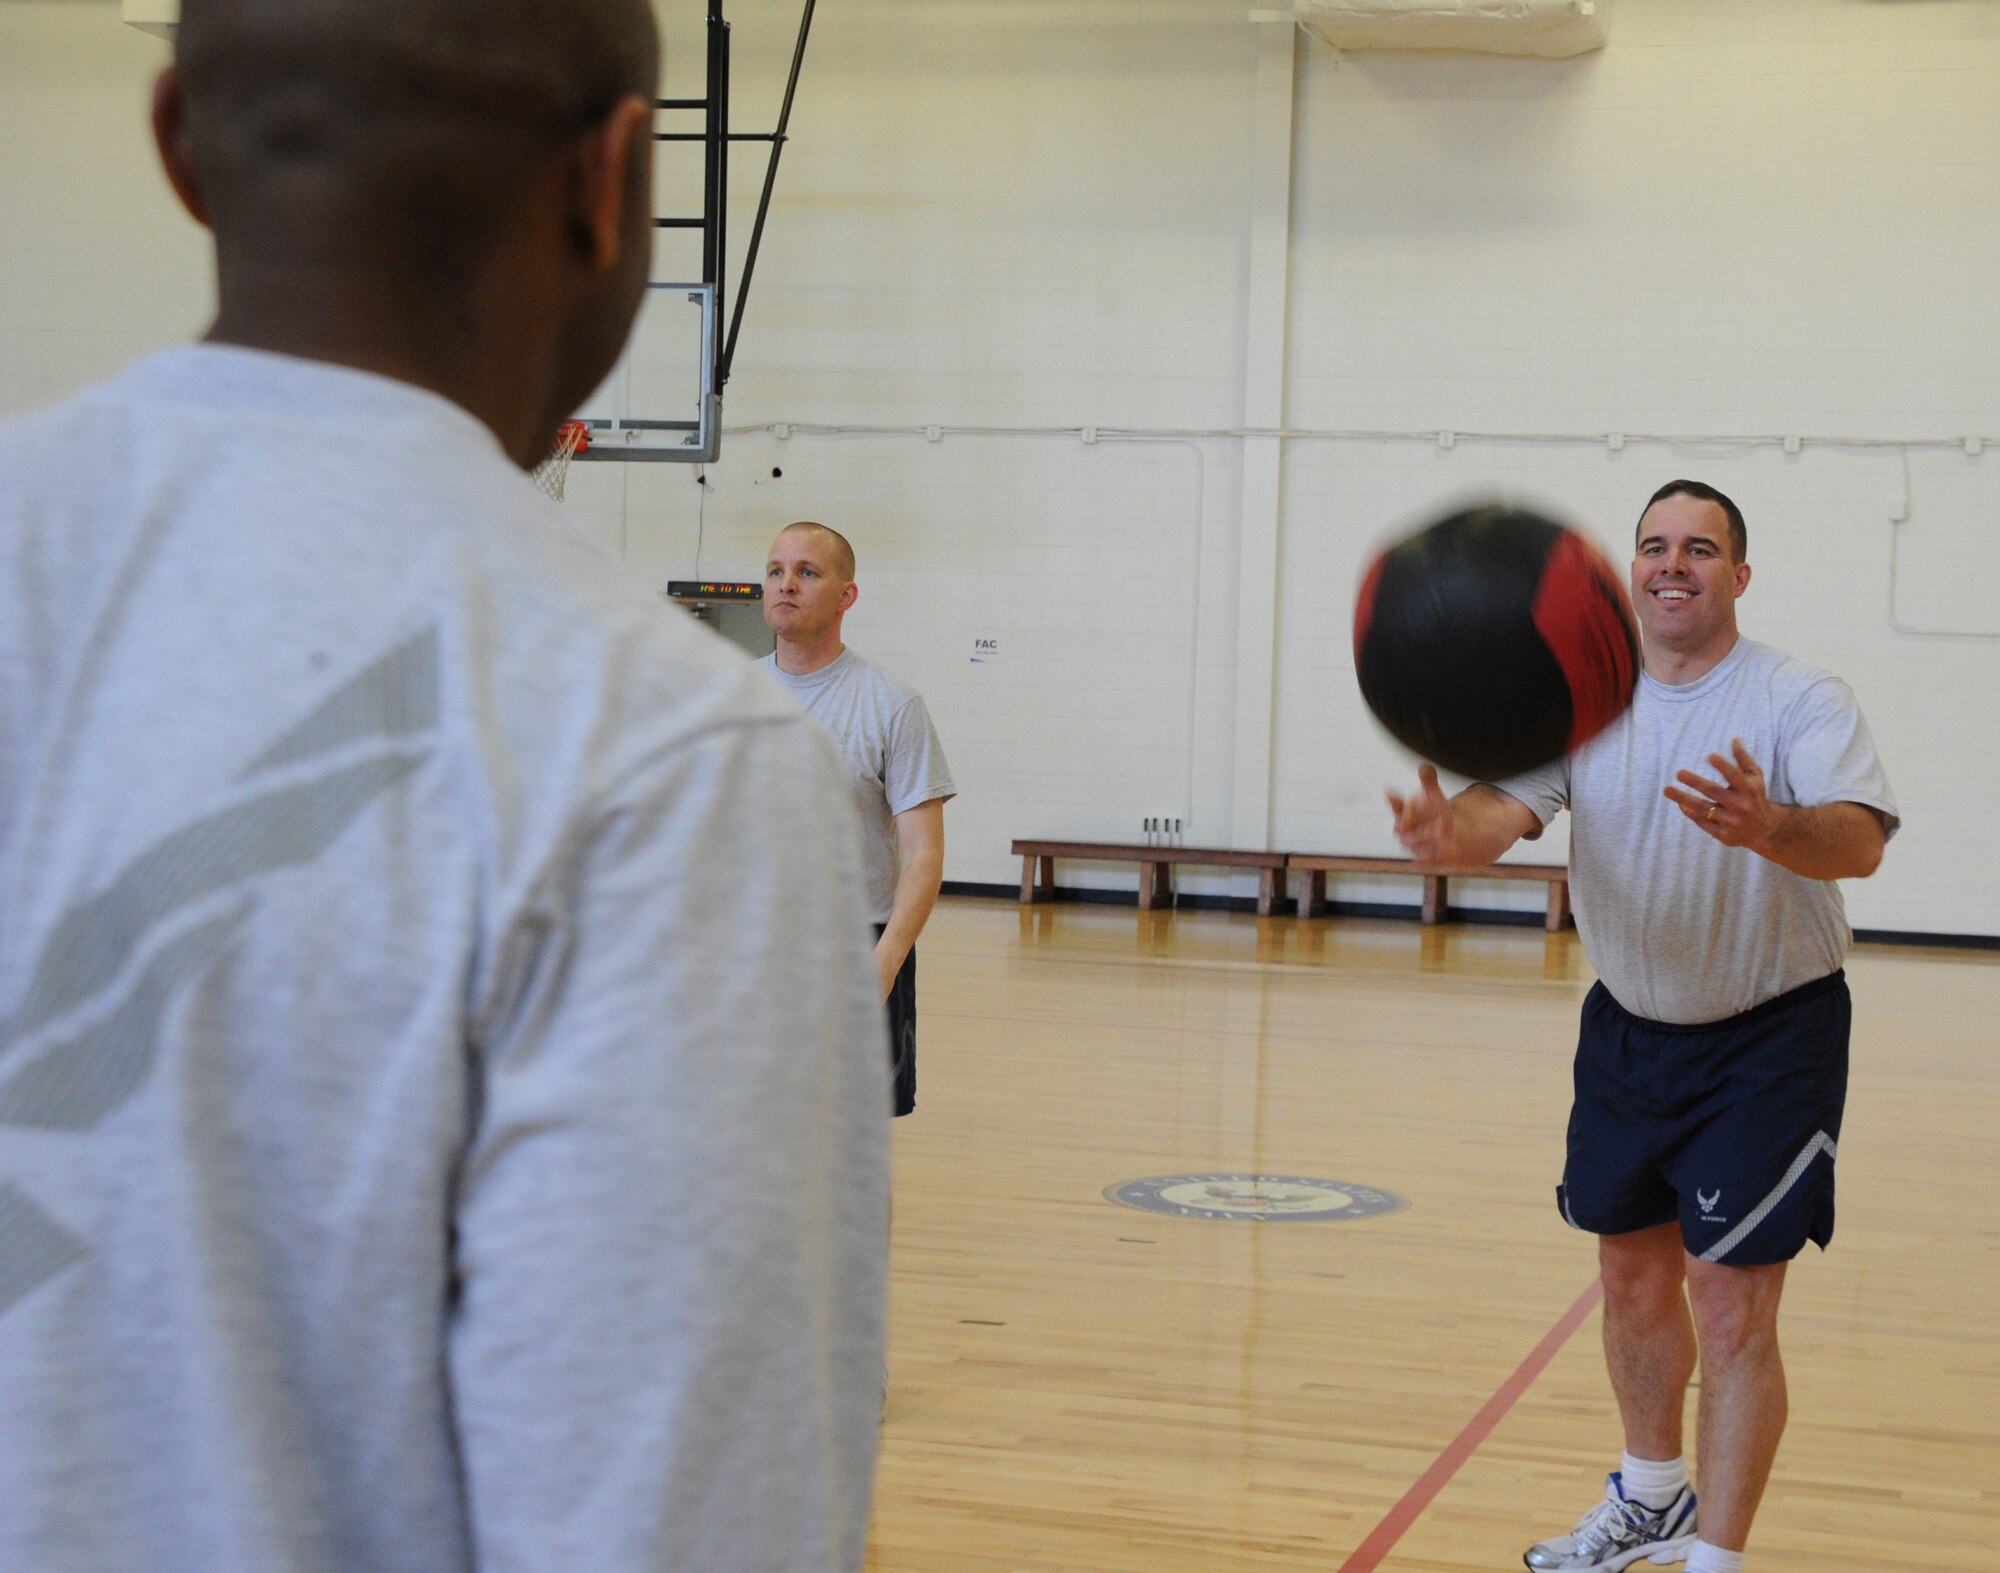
(1739, 535)
(843, 553)
(402, 131)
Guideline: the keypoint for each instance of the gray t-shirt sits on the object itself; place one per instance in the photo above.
(405, 1161)
(1680, 927)
(892, 753)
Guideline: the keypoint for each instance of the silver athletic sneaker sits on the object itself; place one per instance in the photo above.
(1618, 1532)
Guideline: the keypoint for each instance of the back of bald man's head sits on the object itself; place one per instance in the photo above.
(400, 133)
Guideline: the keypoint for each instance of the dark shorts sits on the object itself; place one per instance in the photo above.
(1730, 1127)
(903, 1033)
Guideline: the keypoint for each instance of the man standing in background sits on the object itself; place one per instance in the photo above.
(893, 757)
(406, 1162)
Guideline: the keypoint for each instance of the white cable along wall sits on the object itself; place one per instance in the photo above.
(1698, 447)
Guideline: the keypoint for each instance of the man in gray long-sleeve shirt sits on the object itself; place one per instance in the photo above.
(406, 1163)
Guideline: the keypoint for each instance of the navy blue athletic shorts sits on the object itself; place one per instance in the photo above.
(903, 1032)
(1731, 1126)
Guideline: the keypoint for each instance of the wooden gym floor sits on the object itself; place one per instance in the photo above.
(1079, 1387)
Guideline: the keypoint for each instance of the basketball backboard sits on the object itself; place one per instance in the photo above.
(659, 403)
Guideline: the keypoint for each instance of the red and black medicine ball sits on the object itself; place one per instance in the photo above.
(1494, 641)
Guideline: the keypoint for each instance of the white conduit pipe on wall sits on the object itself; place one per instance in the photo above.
(1707, 445)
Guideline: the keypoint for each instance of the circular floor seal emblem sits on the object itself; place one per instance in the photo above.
(1257, 1198)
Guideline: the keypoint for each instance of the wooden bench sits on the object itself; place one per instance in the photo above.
(1313, 870)
(1156, 865)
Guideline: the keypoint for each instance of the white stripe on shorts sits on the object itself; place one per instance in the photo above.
(1821, 1142)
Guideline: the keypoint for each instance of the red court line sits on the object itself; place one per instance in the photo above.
(1369, 1554)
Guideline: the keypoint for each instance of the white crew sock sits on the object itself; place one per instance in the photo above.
(1653, 1482)
(1705, 1558)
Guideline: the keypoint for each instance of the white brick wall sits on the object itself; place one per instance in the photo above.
(1755, 219)
(1759, 217)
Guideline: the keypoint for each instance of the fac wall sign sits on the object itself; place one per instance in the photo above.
(985, 647)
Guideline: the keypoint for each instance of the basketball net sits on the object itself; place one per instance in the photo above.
(572, 438)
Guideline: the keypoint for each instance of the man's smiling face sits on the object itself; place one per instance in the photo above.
(1685, 579)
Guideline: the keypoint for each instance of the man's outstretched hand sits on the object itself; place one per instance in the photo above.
(1735, 810)
(1425, 823)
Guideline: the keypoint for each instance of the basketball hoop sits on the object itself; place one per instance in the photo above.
(572, 438)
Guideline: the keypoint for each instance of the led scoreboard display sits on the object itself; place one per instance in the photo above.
(715, 590)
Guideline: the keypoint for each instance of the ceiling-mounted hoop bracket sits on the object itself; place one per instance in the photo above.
(700, 441)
